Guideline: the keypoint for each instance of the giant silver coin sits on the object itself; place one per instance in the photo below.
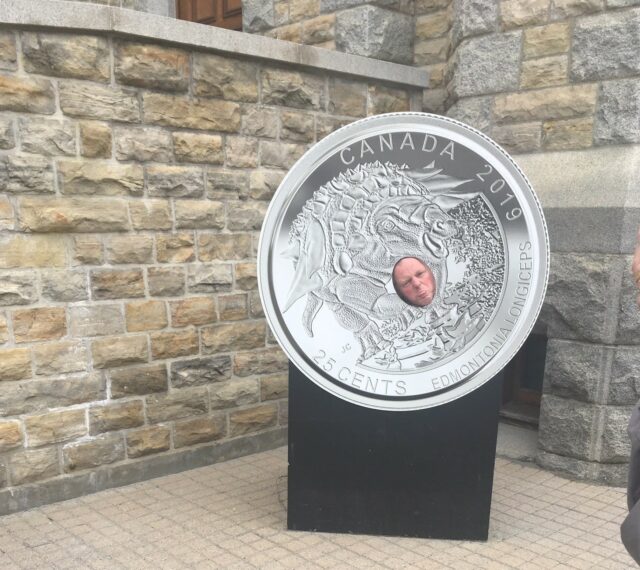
(403, 261)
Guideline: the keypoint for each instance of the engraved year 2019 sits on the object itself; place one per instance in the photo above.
(497, 186)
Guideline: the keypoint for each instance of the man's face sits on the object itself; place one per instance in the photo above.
(414, 282)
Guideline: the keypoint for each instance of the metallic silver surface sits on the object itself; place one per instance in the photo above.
(380, 190)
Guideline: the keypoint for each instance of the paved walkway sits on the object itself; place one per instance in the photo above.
(232, 515)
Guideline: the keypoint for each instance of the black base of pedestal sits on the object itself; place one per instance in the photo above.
(427, 473)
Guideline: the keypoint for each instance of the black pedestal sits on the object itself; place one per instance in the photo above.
(427, 473)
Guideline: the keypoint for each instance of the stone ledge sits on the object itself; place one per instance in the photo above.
(64, 16)
(18, 499)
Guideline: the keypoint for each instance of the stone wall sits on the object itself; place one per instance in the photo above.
(557, 83)
(160, 7)
(134, 179)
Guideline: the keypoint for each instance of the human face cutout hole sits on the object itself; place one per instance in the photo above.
(414, 282)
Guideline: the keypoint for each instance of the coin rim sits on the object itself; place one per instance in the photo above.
(322, 150)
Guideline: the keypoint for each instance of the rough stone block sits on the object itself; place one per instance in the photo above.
(375, 32)
(18, 250)
(319, 29)
(521, 137)
(566, 427)
(347, 97)
(283, 412)
(290, 33)
(431, 51)
(95, 139)
(175, 248)
(47, 136)
(569, 134)
(166, 281)
(259, 122)
(253, 419)
(266, 361)
(198, 147)
(7, 136)
(487, 64)
(10, 435)
(246, 276)
(148, 440)
(224, 247)
(194, 311)
(4, 329)
(257, 15)
(201, 214)
(91, 101)
(175, 181)
(433, 25)
(64, 285)
(223, 185)
(606, 46)
(112, 417)
(100, 450)
(546, 40)
(55, 427)
(197, 371)
(17, 288)
(112, 352)
(176, 405)
(209, 278)
(200, 430)
(8, 52)
(617, 118)
(280, 155)
(18, 398)
(256, 310)
(263, 184)
(143, 144)
(138, 380)
(66, 55)
(518, 13)
(151, 66)
(234, 393)
(224, 78)
(233, 307)
(95, 320)
(26, 174)
(387, 100)
(60, 358)
(236, 336)
(628, 326)
(616, 446)
(26, 94)
(15, 364)
(563, 9)
(33, 465)
(201, 114)
(552, 103)
(474, 111)
(116, 284)
(100, 178)
(624, 384)
(575, 370)
(544, 72)
(129, 249)
(241, 152)
(47, 323)
(86, 250)
(274, 387)
(470, 18)
(297, 126)
(580, 289)
(73, 215)
(146, 316)
(246, 215)
(150, 215)
(292, 89)
(174, 344)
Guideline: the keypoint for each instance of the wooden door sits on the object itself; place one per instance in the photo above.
(220, 13)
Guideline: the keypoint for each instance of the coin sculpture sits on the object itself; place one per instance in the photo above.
(403, 261)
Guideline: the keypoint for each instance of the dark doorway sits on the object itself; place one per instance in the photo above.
(522, 382)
